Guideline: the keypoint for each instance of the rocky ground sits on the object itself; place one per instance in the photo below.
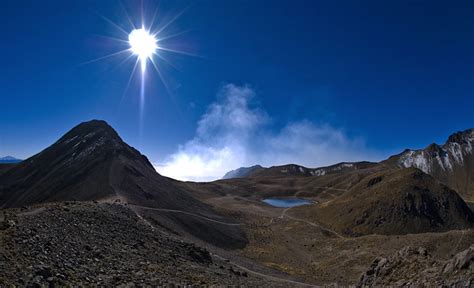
(320, 258)
(415, 267)
(92, 244)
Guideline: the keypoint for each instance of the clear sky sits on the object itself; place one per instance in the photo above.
(270, 82)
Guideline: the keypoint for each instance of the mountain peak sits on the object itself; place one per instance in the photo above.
(9, 159)
(94, 124)
(90, 128)
(77, 165)
(94, 139)
(83, 156)
(242, 172)
(462, 136)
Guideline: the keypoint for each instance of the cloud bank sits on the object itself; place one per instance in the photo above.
(234, 133)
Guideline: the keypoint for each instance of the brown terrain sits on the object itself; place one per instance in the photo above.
(91, 211)
(325, 244)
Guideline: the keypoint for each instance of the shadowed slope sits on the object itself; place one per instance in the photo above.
(396, 202)
(91, 162)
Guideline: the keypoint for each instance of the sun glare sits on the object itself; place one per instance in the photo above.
(142, 44)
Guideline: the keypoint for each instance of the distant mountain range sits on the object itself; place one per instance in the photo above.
(296, 170)
(9, 159)
(242, 172)
(416, 191)
(451, 163)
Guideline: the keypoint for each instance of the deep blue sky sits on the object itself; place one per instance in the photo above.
(396, 74)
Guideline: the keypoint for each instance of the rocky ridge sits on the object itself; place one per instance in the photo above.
(292, 170)
(452, 163)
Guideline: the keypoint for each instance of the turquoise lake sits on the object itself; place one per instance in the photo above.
(286, 202)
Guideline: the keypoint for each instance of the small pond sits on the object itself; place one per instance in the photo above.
(286, 202)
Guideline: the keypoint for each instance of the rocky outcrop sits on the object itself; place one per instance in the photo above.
(461, 261)
(415, 267)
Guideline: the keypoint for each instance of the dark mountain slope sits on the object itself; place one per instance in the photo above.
(91, 162)
(395, 202)
(4, 167)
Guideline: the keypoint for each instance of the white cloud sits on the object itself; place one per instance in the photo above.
(234, 133)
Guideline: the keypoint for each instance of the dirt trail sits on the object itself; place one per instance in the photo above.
(32, 212)
(284, 214)
(266, 276)
(324, 191)
(316, 225)
(185, 212)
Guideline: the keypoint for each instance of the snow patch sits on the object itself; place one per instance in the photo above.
(89, 135)
(456, 150)
(318, 172)
(413, 159)
(77, 144)
(445, 158)
(468, 146)
(91, 147)
(70, 140)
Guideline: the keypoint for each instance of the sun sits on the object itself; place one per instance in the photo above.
(142, 44)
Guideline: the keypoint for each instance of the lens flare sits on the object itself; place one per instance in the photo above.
(142, 44)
